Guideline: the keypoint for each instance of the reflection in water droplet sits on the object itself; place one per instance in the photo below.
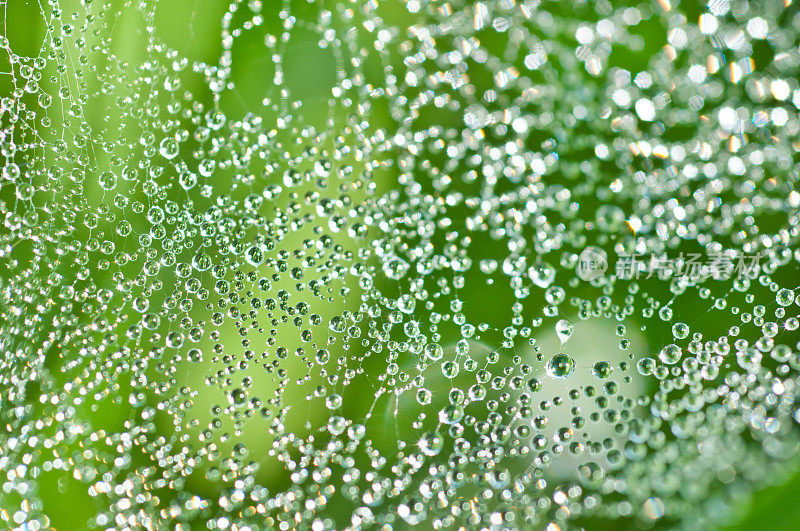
(564, 330)
(670, 354)
(561, 365)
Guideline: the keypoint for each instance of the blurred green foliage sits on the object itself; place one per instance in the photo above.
(192, 27)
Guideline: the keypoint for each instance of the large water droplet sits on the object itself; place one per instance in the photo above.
(561, 365)
(564, 330)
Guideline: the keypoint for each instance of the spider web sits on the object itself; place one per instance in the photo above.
(319, 264)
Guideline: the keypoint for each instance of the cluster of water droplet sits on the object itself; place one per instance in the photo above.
(315, 264)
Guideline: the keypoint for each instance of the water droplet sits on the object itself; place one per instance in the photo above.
(670, 354)
(680, 330)
(564, 330)
(602, 370)
(560, 366)
(784, 297)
